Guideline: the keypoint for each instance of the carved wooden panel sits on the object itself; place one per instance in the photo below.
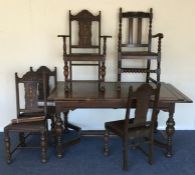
(85, 33)
(31, 96)
(84, 19)
(30, 81)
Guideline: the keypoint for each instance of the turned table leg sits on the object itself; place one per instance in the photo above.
(170, 130)
(66, 121)
(59, 130)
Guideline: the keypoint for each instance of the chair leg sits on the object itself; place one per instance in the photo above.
(156, 122)
(158, 70)
(125, 154)
(7, 147)
(22, 139)
(66, 75)
(43, 147)
(150, 155)
(148, 73)
(106, 146)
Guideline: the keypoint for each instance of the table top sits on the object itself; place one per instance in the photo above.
(89, 90)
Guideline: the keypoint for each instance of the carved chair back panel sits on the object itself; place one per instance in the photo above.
(143, 97)
(31, 96)
(88, 24)
(135, 28)
(27, 92)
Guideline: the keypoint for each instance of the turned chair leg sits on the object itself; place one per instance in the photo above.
(22, 139)
(125, 154)
(43, 147)
(7, 147)
(106, 146)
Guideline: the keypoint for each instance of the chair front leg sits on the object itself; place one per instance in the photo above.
(148, 71)
(43, 147)
(106, 147)
(125, 154)
(7, 146)
(150, 155)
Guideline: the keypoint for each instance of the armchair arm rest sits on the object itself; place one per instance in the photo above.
(64, 36)
(104, 42)
(64, 41)
(105, 36)
(159, 35)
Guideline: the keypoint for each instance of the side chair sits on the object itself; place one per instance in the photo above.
(139, 127)
(31, 118)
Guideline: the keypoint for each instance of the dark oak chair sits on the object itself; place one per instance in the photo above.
(139, 126)
(89, 49)
(136, 44)
(31, 118)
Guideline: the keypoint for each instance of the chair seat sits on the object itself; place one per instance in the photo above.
(139, 55)
(134, 131)
(84, 57)
(50, 110)
(36, 126)
(31, 114)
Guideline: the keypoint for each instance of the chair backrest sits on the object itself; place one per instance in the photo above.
(48, 74)
(85, 20)
(27, 93)
(143, 98)
(135, 29)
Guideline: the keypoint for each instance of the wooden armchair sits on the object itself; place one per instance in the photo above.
(136, 44)
(89, 49)
(30, 116)
(139, 126)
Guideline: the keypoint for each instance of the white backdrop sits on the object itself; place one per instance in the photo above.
(28, 37)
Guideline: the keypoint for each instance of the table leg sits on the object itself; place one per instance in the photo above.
(170, 130)
(59, 130)
(66, 121)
